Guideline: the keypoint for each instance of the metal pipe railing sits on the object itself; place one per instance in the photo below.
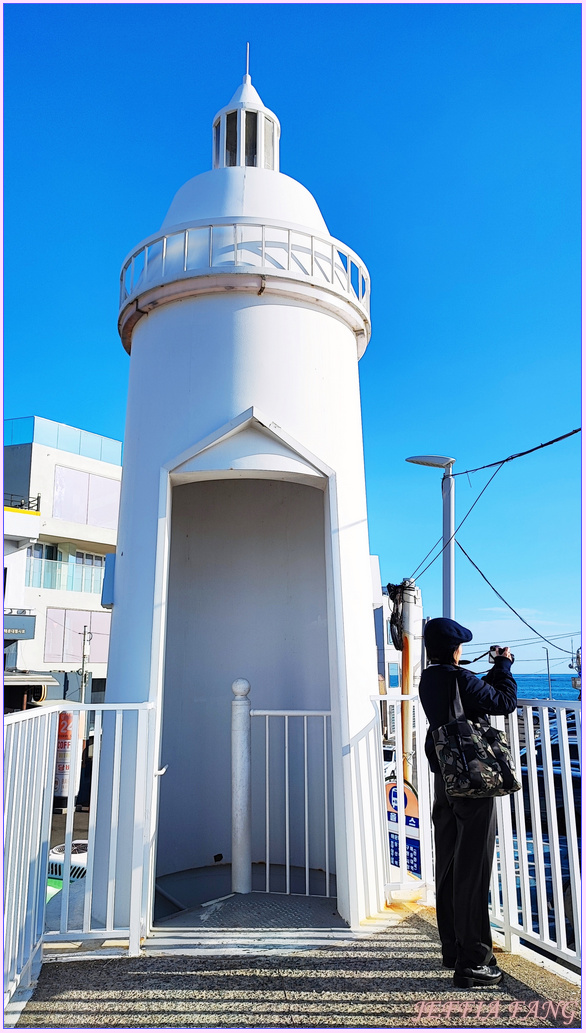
(296, 798)
(538, 846)
(30, 754)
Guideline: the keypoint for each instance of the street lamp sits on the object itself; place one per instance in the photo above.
(445, 463)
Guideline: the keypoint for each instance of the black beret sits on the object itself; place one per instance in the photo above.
(443, 635)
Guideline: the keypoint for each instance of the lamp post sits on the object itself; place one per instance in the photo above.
(445, 463)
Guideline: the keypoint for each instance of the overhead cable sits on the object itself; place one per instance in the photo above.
(526, 641)
(458, 527)
(483, 576)
(518, 455)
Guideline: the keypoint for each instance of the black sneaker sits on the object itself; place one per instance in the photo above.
(482, 975)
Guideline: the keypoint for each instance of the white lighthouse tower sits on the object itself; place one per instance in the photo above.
(243, 547)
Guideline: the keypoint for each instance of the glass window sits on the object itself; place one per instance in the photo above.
(100, 640)
(231, 138)
(393, 676)
(54, 634)
(217, 144)
(250, 138)
(103, 501)
(269, 161)
(71, 494)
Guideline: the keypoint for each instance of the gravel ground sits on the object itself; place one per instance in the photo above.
(390, 979)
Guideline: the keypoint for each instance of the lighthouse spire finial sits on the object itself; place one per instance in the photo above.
(246, 78)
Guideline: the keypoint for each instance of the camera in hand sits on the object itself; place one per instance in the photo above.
(497, 651)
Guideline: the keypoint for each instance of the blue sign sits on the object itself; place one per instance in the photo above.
(395, 799)
(19, 626)
(413, 852)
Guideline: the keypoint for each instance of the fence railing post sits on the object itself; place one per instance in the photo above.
(241, 805)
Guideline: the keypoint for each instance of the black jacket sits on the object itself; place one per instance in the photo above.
(495, 693)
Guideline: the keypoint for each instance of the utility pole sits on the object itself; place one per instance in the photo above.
(548, 674)
(87, 637)
(445, 463)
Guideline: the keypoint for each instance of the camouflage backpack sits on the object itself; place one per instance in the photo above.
(474, 757)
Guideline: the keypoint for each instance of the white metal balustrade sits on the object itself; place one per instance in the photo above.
(109, 903)
(267, 248)
(286, 756)
(535, 895)
(535, 892)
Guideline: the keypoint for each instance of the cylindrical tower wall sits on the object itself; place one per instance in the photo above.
(195, 365)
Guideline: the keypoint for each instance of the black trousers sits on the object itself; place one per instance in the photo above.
(464, 849)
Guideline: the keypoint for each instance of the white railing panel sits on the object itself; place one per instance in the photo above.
(538, 849)
(30, 742)
(30, 749)
(291, 755)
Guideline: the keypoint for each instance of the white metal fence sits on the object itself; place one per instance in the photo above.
(282, 815)
(535, 895)
(295, 818)
(265, 248)
(110, 902)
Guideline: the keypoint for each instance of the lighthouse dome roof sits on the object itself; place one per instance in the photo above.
(241, 192)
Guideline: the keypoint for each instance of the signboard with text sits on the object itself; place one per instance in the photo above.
(411, 805)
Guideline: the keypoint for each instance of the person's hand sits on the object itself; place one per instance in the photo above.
(506, 652)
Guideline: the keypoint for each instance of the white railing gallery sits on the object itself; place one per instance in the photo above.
(109, 903)
(267, 249)
(286, 756)
(535, 888)
(535, 895)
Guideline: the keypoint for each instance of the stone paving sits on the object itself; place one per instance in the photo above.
(383, 979)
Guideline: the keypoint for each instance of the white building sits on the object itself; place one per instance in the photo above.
(61, 497)
(243, 543)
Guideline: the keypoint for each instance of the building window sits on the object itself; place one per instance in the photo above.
(389, 634)
(269, 148)
(231, 138)
(393, 676)
(43, 566)
(217, 144)
(86, 498)
(250, 138)
(64, 636)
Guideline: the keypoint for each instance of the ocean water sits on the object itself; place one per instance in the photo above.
(535, 686)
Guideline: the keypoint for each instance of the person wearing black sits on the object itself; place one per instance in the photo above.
(464, 828)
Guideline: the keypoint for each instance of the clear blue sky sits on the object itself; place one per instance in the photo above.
(442, 143)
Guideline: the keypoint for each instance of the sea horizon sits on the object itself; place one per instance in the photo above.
(536, 686)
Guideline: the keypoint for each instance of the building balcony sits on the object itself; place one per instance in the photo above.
(63, 576)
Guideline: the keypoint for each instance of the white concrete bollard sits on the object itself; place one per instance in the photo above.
(241, 808)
